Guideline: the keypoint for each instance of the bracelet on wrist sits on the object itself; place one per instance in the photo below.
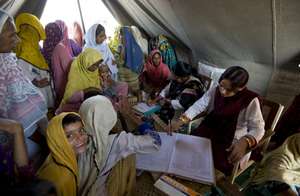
(251, 142)
(184, 119)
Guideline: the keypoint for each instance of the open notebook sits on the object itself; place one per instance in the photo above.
(186, 156)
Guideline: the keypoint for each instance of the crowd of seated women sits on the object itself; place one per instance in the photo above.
(79, 81)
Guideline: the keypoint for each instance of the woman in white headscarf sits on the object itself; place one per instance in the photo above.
(142, 42)
(20, 100)
(106, 150)
(95, 38)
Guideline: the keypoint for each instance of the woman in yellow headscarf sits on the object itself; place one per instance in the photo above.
(66, 141)
(31, 31)
(83, 78)
(79, 165)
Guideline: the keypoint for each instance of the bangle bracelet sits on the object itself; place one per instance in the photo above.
(251, 142)
(248, 141)
(184, 119)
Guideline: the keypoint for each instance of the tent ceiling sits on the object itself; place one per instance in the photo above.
(265, 32)
(261, 35)
(14, 7)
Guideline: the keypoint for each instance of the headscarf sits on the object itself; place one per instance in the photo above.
(28, 49)
(80, 77)
(133, 53)
(64, 29)
(54, 36)
(19, 99)
(156, 75)
(167, 52)
(60, 167)
(3, 18)
(282, 164)
(78, 34)
(142, 42)
(90, 42)
(32, 20)
(99, 118)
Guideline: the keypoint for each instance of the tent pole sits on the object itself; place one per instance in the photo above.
(81, 16)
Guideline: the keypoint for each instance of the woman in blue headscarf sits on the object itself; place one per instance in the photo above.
(133, 53)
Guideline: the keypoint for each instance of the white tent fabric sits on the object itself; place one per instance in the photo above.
(263, 36)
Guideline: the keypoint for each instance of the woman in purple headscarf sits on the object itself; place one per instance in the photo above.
(59, 50)
(53, 37)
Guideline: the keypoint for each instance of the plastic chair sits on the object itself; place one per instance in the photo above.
(271, 113)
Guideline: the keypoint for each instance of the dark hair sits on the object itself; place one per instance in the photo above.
(183, 69)
(99, 29)
(237, 75)
(91, 93)
(70, 118)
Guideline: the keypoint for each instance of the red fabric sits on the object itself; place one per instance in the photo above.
(220, 125)
(155, 76)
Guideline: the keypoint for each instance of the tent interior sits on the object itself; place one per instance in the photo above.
(262, 36)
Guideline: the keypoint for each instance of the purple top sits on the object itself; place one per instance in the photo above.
(7, 165)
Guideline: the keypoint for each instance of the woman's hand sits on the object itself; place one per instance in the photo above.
(164, 101)
(125, 108)
(10, 126)
(173, 127)
(151, 102)
(237, 150)
(20, 150)
(41, 83)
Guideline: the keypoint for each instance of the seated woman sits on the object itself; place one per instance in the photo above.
(278, 173)
(13, 153)
(95, 38)
(112, 89)
(20, 100)
(181, 92)
(155, 75)
(31, 31)
(59, 52)
(81, 157)
(234, 122)
(83, 78)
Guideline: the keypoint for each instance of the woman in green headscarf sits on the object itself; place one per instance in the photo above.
(83, 78)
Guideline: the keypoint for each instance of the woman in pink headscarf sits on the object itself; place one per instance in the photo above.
(77, 34)
(61, 59)
(155, 74)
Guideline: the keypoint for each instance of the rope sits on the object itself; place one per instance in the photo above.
(274, 34)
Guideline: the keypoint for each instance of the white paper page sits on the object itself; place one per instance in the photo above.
(158, 161)
(192, 158)
(143, 107)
